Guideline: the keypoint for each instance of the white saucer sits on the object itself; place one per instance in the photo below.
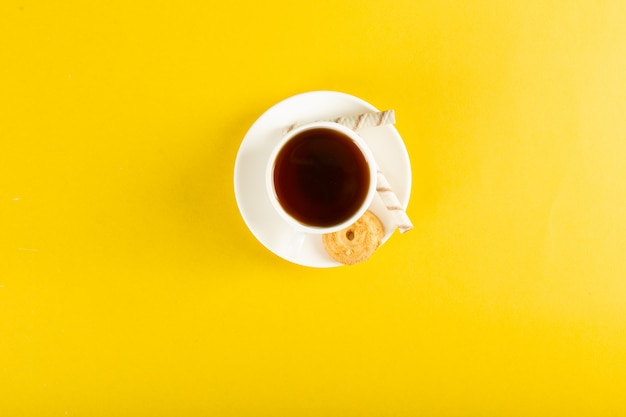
(255, 207)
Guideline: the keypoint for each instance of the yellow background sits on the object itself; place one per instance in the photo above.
(130, 285)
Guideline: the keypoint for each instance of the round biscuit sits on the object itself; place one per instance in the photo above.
(357, 242)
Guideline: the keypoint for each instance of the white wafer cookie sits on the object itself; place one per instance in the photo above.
(359, 121)
(390, 199)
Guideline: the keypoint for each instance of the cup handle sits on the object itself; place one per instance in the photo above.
(295, 244)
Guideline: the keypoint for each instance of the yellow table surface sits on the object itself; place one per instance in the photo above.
(130, 285)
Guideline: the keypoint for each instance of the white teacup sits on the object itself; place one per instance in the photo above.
(321, 178)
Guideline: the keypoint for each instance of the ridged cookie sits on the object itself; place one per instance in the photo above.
(357, 242)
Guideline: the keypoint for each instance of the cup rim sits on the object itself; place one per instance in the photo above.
(369, 158)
